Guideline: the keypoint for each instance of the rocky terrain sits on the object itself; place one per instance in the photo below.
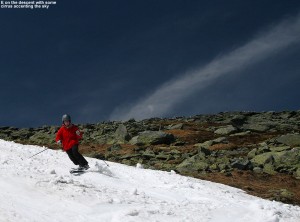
(257, 152)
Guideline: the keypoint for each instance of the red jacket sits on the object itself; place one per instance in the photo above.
(69, 136)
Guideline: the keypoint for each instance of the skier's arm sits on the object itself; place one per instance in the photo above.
(79, 134)
(58, 137)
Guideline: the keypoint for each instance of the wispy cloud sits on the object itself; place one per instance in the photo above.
(176, 90)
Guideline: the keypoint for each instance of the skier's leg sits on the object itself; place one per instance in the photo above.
(72, 157)
(80, 159)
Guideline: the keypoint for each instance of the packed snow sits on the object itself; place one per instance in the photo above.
(42, 189)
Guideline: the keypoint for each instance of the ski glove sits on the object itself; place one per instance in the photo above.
(58, 142)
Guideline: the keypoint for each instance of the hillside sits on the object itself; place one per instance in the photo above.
(42, 189)
(257, 152)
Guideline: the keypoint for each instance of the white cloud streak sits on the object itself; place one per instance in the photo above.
(174, 91)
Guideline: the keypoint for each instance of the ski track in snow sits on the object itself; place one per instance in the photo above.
(42, 189)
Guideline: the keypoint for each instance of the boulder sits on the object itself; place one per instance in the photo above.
(205, 151)
(241, 164)
(176, 126)
(252, 153)
(289, 139)
(238, 120)
(269, 169)
(288, 159)
(279, 148)
(262, 159)
(148, 154)
(196, 163)
(226, 130)
(121, 134)
(206, 144)
(152, 138)
(256, 127)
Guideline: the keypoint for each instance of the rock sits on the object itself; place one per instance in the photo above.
(257, 170)
(223, 166)
(134, 140)
(206, 144)
(205, 151)
(252, 153)
(176, 126)
(297, 173)
(238, 120)
(219, 140)
(226, 130)
(280, 148)
(121, 134)
(194, 164)
(262, 159)
(148, 154)
(153, 138)
(241, 133)
(289, 139)
(269, 169)
(256, 127)
(241, 164)
(163, 156)
(288, 158)
(282, 195)
(214, 167)
(129, 156)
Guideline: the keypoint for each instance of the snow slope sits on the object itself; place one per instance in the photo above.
(42, 189)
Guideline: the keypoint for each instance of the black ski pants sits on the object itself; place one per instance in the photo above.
(76, 157)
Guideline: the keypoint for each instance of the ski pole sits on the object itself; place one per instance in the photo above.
(39, 152)
(105, 163)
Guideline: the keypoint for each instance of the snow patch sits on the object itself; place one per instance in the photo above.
(42, 189)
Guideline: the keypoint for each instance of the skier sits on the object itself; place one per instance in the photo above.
(68, 136)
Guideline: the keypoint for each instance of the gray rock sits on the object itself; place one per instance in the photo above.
(269, 169)
(262, 159)
(220, 140)
(280, 148)
(256, 127)
(289, 139)
(252, 153)
(238, 120)
(148, 154)
(287, 158)
(206, 144)
(152, 138)
(196, 163)
(226, 130)
(121, 134)
(241, 133)
(203, 150)
(176, 126)
(241, 164)
(257, 170)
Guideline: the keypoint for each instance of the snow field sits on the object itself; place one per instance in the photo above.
(42, 189)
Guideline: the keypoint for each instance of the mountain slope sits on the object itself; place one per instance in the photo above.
(42, 189)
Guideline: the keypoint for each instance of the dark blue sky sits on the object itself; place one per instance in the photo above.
(98, 59)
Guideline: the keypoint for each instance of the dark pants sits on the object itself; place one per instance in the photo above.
(76, 157)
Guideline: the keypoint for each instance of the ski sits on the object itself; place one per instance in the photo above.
(77, 171)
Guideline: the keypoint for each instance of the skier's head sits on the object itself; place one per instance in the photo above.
(66, 119)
